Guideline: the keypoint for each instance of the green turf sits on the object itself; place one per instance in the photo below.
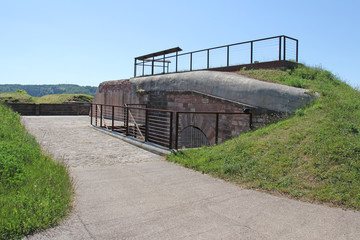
(313, 155)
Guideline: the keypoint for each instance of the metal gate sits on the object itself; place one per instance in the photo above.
(192, 137)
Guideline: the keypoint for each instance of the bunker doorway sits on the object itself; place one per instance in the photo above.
(192, 137)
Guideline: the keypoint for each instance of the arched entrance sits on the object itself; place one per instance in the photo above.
(192, 137)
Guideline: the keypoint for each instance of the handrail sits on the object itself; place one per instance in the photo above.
(282, 47)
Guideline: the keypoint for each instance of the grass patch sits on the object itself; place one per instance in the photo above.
(313, 156)
(16, 97)
(61, 98)
(35, 192)
(20, 96)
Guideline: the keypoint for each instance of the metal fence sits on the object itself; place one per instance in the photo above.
(278, 48)
(143, 124)
(170, 129)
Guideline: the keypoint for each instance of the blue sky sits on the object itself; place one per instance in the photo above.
(87, 42)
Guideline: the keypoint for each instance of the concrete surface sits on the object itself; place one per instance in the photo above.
(232, 86)
(124, 192)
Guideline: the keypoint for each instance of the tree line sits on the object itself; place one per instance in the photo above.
(41, 90)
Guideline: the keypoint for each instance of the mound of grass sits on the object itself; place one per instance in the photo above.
(20, 96)
(313, 156)
(61, 98)
(16, 97)
(35, 192)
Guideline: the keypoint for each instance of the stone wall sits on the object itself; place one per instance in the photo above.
(50, 109)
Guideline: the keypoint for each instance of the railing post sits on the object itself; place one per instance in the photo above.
(96, 114)
(146, 125)
(135, 67)
(143, 68)
(164, 64)
(191, 61)
(251, 51)
(91, 114)
(112, 117)
(250, 121)
(171, 131)
(101, 115)
(176, 62)
(152, 66)
(127, 121)
(217, 129)
(279, 48)
(177, 131)
(297, 50)
(284, 48)
(208, 58)
(228, 58)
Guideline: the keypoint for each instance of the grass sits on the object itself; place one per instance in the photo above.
(313, 155)
(17, 96)
(35, 191)
(61, 98)
(20, 96)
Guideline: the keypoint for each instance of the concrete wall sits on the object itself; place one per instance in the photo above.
(231, 86)
(51, 109)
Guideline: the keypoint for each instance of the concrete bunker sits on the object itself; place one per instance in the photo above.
(189, 100)
(196, 96)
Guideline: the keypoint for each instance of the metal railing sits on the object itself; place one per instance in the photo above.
(143, 124)
(278, 48)
(161, 127)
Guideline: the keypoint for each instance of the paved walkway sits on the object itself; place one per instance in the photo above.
(124, 192)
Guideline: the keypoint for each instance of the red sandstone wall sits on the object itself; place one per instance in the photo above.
(230, 126)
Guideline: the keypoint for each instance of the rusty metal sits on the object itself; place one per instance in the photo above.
(100, 110)
(127, 121)
(250, 121)
(177, 131)
(96, 114)
(91, 115)
(171, 130)
(217, 129)
(147, 124)
(217, 115)
(112, 117)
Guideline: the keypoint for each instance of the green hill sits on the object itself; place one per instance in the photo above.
(313, 155)
(41, 90)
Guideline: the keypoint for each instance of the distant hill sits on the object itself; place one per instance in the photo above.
(41, 90)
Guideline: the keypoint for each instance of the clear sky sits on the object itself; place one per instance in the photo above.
(86, 42)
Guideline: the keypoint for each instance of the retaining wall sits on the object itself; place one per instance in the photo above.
(50, 109)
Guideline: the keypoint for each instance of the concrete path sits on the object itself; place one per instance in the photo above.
(124, 192)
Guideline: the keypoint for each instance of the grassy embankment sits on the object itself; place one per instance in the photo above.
(313, 156)
(35, 192)
(21, 96)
